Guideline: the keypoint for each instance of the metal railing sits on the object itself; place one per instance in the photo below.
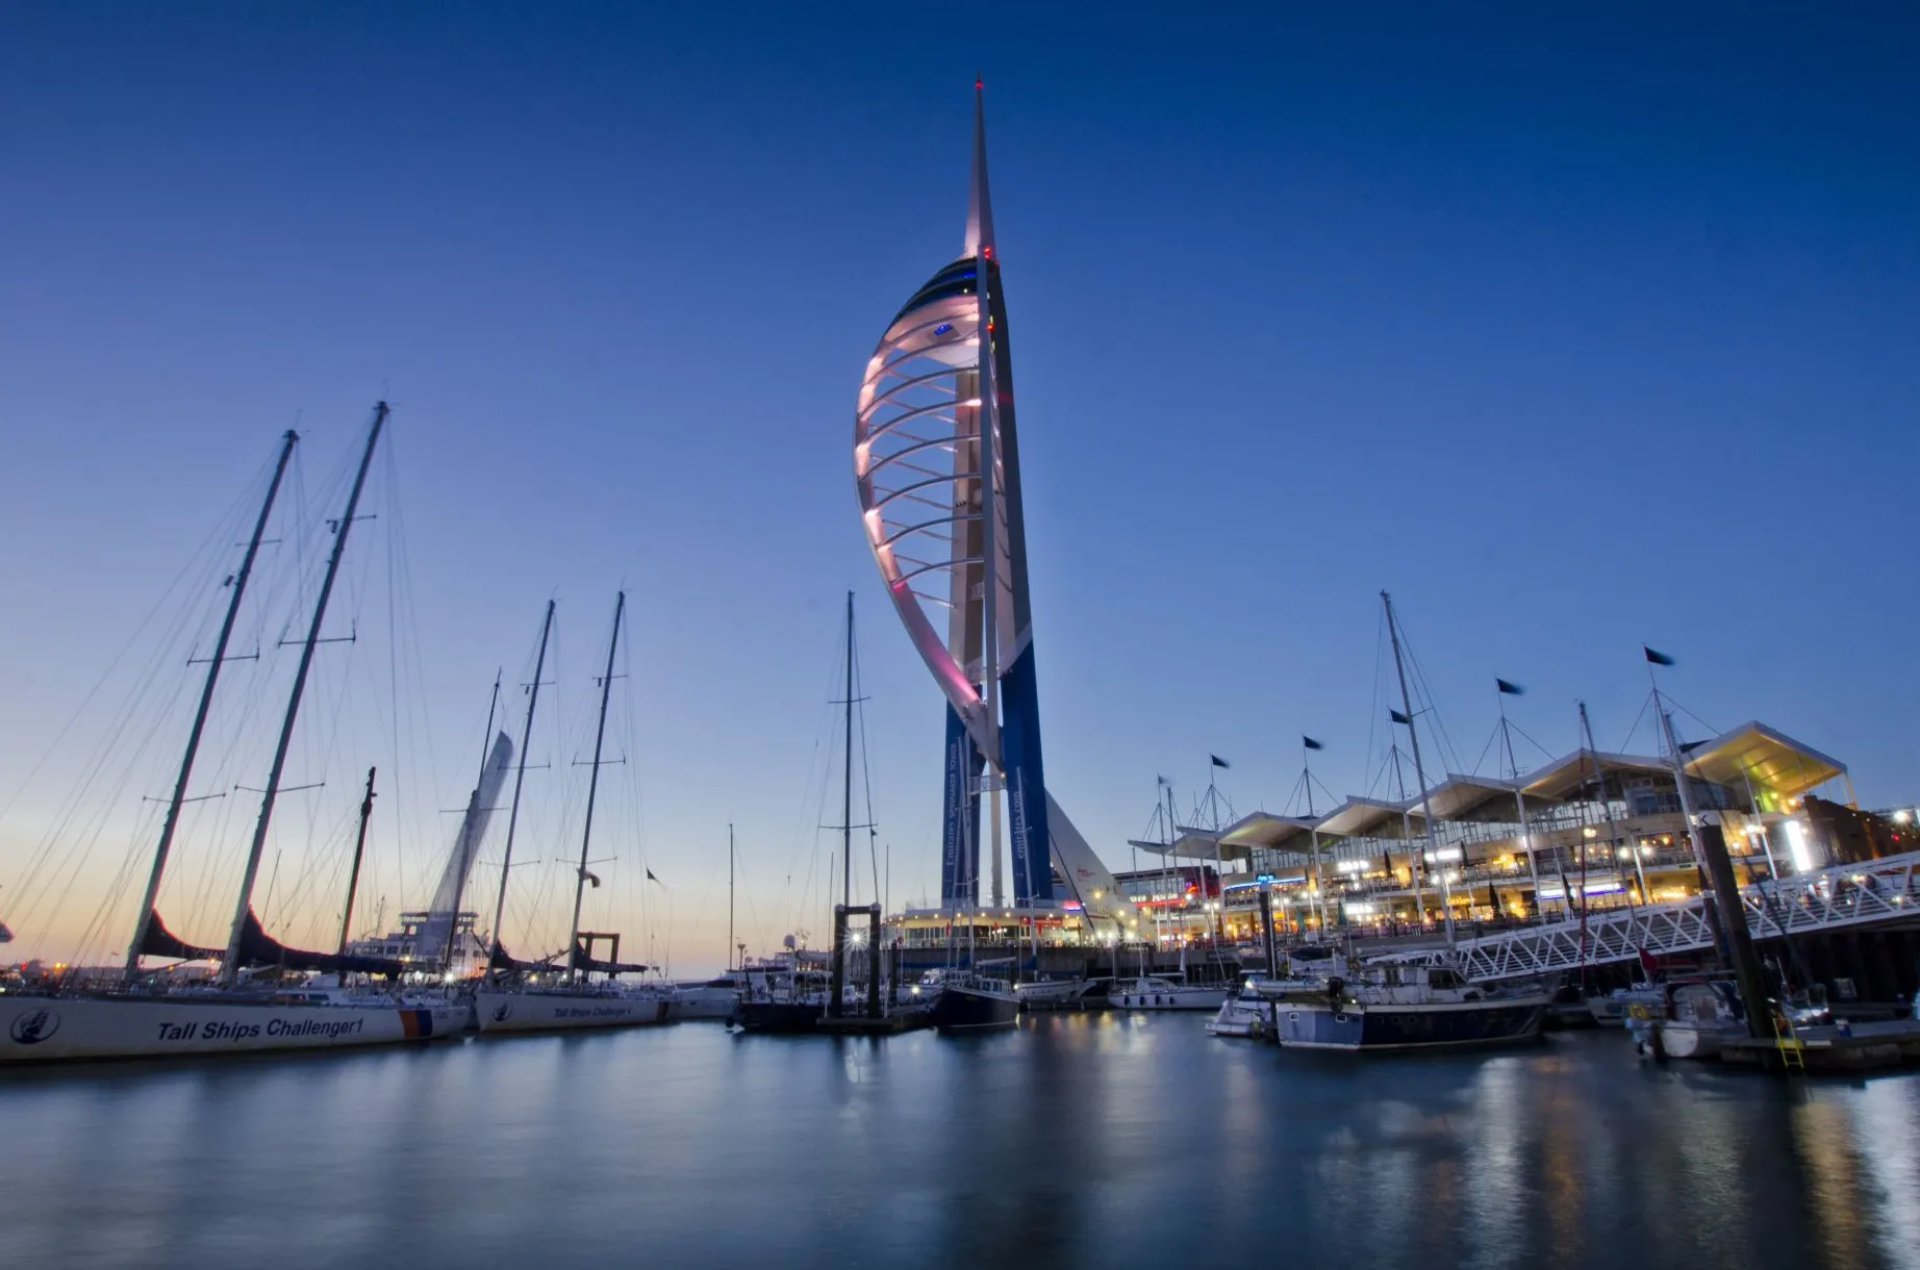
(1846, 895)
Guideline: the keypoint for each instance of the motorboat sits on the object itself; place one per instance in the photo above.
(974, 1003)
(714, 999)
(1406, 1008)
(1049, 993)
(1245, 1014)
(1614, 1008)
(784, 994)
(1151, 992)
(1693, 1019)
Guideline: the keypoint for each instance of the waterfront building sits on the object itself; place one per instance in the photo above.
(1601, 830)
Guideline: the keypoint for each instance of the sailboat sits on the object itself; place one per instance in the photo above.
(1405, 1007)
(515, 996)
(718, 997)
(972, 999)
(138, 1022)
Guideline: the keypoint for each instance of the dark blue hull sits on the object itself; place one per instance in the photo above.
(788, 1017)
(1409, 1027)
(974, 1010)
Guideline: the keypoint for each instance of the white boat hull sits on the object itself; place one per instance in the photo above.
(1049, 991)
(1241, 1017)
(564, 1012)
(1613, 1009)
(41, 1029)
(704, 1003)
(1690, 1040)
(1170, 999)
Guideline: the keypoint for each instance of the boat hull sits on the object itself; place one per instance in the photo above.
(1046, 993)
(1450, 1025)
(502, 1012)
(1614, 1009)
(1693, 1040)
(1241, 1017)
(784, 1018)
(974, 1010)
(1175, 999)
(60, 1029)
(704, 1003)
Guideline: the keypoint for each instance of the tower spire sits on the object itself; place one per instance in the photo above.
(979, 204)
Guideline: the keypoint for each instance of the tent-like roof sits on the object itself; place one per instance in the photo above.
(1360, 815)
(1458, 795)
(1264, 829)
(1562, 778)
(1772, 760)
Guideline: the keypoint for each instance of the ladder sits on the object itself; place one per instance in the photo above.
(1787, 1042)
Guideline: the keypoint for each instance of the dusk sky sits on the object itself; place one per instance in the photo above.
(1575, 330)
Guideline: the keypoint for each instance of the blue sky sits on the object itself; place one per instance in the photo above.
(1575, 330)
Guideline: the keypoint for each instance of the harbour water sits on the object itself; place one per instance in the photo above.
(1075, 1141)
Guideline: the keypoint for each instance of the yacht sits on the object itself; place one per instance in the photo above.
(1245, 1014)
(1150, 992)
(1690, 1019)
(713, 999)
(974, 1003)
(1405, 1008)
(1613, 1008)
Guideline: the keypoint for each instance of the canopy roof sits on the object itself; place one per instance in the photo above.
(1770, 759)
(1754, 752)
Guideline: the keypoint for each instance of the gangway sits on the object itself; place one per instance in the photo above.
(1874, 893)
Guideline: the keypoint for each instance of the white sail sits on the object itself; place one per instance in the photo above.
(431, 942)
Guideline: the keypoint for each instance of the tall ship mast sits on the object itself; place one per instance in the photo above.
(533, 996)
(139, 1021)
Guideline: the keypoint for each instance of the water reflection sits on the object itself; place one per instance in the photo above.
(1074, 1142)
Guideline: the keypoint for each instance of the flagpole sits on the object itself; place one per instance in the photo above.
(1166, 861)
(1519, 798)
(1216, 911)
(1639, 870)
(1313, 828)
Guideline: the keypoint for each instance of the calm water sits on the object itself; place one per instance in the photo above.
(1077, 1141)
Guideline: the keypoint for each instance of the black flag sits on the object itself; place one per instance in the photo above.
(1218, 761)
(1512, 690)
(1658, 659)
(1310, 743)
(656, 881)
(1400, 718)
(1164, 782)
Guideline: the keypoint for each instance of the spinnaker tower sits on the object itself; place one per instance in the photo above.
(937, 463)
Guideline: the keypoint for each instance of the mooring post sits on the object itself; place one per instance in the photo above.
(873, 960)
(1733, 924)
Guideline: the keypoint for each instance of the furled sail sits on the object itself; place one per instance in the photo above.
(161, 942)
(501, 960)
(581, 961)
(430, 943)
(257, 948)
